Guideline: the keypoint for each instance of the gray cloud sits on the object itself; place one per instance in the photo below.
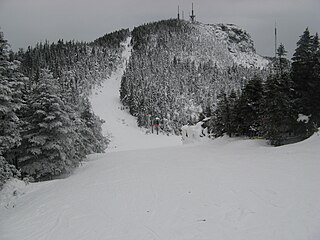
(25, 22)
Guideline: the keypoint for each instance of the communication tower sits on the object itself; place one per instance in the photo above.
(192, 16)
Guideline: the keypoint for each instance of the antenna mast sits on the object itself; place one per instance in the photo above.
(275, 39)
(192, 16)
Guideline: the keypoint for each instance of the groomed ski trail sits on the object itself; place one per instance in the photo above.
(120, 125)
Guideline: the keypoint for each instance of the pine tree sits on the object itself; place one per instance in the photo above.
(277, 116)
(48, 138)
(316, 80)
(90, 131)
(9, 134)
(302, 73)
(248, 108)
(232, 99)
(220, 122)
(282, 64)
(9, 104)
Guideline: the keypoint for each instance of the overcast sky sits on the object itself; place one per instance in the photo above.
(25, 22)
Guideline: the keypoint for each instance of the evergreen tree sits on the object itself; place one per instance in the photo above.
(9, 134)
(90, 131)
(9, 105)
(302, 73)
(232, 99)
(277, 116)
(316, 80)
(221, 121)
(7, 171)
(248, 108)
(48, 137)
(282, 64)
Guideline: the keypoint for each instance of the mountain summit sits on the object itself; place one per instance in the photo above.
(223, 44)
(178, 69)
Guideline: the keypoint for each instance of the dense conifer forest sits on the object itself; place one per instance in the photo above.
(176, 72)
(47, 125)
(284, 108)
(166, 79)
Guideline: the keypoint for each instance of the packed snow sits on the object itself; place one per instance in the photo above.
(150, 186)
(303, 118)
(195, 134)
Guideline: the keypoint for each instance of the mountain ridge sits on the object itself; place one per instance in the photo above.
(178, 69)
(229, 43)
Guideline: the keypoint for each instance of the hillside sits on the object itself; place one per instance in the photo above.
(47, 124)
(149, 187)
(223, 44)
(178, 69)
(120, 127)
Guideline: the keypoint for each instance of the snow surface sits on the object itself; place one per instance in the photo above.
(225, 189)
(303, 118)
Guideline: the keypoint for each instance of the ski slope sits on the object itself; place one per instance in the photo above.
(152, 187)
(120, 125)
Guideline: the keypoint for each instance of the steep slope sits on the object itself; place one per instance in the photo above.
(178, 69)
(223, 44)
(119, 125)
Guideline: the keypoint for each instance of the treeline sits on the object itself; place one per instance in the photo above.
(165, 78)
(142, 35)
(47, 125)
(285, 108)
(112, 40)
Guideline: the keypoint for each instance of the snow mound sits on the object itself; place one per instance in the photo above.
(303, 118)
(195, 133)
(11, 192)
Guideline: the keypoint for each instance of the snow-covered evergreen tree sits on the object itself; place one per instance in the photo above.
(248, 108)
(316, 80)
(282, 64)
(9, 134)
(301, 72)
(278, 118)
(48, 137)
(10, 84)
(90, 132)
(220, 122)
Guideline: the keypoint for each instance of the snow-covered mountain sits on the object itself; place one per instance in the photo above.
(149, 187)
(223, 44)
(177, 69)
